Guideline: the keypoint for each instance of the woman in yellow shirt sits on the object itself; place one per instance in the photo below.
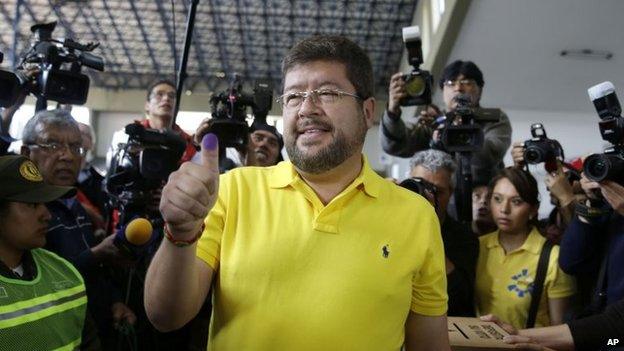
(508, 257)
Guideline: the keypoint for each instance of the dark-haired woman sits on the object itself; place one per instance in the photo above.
(508, 257)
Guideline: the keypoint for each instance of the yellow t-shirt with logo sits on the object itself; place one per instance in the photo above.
(294, 274)
(504, 282)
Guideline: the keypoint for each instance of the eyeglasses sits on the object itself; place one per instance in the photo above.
(56, 148)
(464, 83)
(159, 95)
(318, 96)
(258, 138)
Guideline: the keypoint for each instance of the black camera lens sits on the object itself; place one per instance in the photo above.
(533, 155)
(599, 167)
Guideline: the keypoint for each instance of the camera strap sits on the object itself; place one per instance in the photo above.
(590, 212)
(538, 283)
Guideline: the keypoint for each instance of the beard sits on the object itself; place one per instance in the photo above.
(341, 148)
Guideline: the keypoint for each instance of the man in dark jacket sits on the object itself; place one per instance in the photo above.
(461, 246)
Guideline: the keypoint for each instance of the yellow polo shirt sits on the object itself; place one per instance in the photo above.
(504, 282)
(294, 274)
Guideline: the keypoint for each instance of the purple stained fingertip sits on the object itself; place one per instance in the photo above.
(210, 141)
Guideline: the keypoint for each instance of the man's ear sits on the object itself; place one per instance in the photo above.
(25, 151)
(368, 107)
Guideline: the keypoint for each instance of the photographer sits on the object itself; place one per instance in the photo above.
(461, 247)
(159, 109)
(460, 77)
(264, 146)
(596, 243)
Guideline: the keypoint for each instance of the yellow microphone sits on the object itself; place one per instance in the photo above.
(138, 231)
(134, 237)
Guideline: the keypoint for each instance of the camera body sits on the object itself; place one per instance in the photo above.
(229, 112)
(466, 135)
(610, 164)
(420, 186)
(418, 83)
(59, 63)
(140, 167)
(606, 166)
(541, 149)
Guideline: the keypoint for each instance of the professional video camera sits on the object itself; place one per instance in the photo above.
(542, 149)
(422, 187)
(417, 82)
(59, 62)
(461, 131)
(140, 167)
(229, 112)
(610, 164)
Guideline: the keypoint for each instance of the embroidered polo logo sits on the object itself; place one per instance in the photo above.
(29, 171)
(522, 283)
(3, 292)
(385, 251)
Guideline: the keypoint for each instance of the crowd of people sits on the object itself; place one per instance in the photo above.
(315, 253)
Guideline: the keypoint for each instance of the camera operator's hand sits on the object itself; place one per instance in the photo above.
(590, 188)
(191, 192)
(202, 129)
(517, 154)
(396, 92)
(122, 314)
(559, 186)
(107, 252)
(614, 194)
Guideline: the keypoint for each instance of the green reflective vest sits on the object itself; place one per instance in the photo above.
(46, 313)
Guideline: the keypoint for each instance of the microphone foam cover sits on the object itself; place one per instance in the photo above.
(138, 231)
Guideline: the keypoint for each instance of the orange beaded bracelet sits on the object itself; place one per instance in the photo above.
(183, 243)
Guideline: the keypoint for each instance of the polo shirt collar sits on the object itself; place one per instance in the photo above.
(533, 243)
(285, 174)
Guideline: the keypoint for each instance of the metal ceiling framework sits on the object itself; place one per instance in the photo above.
(248, 37)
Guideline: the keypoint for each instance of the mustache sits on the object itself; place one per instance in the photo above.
(311, 122)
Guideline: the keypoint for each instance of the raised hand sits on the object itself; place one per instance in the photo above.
(191, 192)
(396, 92)
(517, 154)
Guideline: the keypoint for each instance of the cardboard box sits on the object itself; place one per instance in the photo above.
(472, 334)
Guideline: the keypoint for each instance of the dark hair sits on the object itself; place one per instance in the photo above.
(525, 185)
(335, 48)
(467, 68)
(158, 82)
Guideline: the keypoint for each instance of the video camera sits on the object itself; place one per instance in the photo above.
(140, 167)
(422, 187)
(542, 149)
(229, 112)
(417, 82)
(59, 62)
(466, 135)
(610, 164)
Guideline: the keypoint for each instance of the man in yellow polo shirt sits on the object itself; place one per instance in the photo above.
(319, 253)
